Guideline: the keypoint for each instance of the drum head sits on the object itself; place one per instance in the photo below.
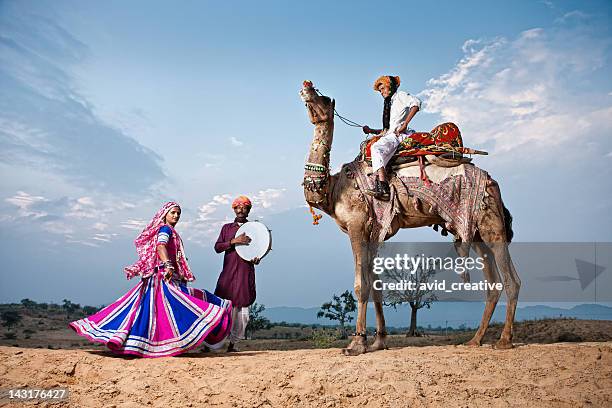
(261, 240)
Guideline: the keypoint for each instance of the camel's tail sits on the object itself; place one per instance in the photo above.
(508, 224)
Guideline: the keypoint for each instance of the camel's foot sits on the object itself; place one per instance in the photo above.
(357, 346)
(503, 344)
(473, 343)
(380, 343)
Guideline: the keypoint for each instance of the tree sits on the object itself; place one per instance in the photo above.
(70, 307)
(89, 310)
(10, 318)
(28, 304)
(339, 309)
(256, 320)
(416, 294)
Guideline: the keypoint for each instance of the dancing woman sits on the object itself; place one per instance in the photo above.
(161, 316)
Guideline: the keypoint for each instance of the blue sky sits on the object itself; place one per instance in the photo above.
(109, 109)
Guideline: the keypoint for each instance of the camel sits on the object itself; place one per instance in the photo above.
(336, 196)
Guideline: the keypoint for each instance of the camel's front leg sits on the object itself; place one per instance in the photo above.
(380, 341)
(362, 288)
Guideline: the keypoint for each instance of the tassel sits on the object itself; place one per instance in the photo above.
(315, 217)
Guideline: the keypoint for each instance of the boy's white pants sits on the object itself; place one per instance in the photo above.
(384, 148)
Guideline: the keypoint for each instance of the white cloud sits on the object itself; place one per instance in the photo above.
(100, 226)
(84, 207)
(73, 218)
(57, 227)
(549, 4)
(216, 212)
(87, 208)
(104, 237)
(137, 225)
(42, 128)
(572, 15)
(222, 199)
(83, 242)
(523, 93)
(123, 205)
(24, 202)
(206, 210)
(236, 142)
(267, 198)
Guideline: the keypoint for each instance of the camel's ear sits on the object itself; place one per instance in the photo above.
(333, 104)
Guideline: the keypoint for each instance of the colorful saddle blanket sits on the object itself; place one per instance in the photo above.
(444, 138)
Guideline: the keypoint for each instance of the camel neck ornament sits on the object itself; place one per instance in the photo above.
(338, 196)
(316, 176)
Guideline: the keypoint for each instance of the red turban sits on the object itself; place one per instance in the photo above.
(241, 200)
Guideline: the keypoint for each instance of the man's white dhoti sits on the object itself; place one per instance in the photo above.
(385, 147)
(240, 320)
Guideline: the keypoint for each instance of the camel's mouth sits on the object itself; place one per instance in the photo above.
(307, 95)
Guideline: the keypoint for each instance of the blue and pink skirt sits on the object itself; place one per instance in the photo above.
(159, 319)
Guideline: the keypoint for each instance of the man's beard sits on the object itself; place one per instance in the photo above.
(240, 219)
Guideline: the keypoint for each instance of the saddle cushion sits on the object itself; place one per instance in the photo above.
(442, 139)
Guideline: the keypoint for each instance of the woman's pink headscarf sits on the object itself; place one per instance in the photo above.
(146, 247)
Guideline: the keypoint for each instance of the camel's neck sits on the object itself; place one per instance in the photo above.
(317, 181)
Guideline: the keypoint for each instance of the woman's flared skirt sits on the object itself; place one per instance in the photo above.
(157, 318)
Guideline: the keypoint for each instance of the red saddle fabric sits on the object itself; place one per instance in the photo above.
(444, 138)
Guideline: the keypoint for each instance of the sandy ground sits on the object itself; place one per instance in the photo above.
(560, 375)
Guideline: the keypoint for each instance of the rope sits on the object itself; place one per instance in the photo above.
(345, 120)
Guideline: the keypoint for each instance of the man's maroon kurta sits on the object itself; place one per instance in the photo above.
(237, 279)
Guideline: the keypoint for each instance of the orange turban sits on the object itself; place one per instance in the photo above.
(241, 200)
(386, 80)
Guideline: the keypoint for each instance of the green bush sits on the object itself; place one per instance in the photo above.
(323, 338)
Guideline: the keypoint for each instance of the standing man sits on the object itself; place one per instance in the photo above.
(237, 279)
(399, 109)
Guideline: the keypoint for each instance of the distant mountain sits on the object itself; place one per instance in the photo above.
(452, 314)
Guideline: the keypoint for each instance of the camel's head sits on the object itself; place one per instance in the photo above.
(320, 108)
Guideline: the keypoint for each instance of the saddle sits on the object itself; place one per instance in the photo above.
(443, 146)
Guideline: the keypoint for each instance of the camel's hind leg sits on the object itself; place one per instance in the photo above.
(491, 275)
(496, 233)
(512, 285)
